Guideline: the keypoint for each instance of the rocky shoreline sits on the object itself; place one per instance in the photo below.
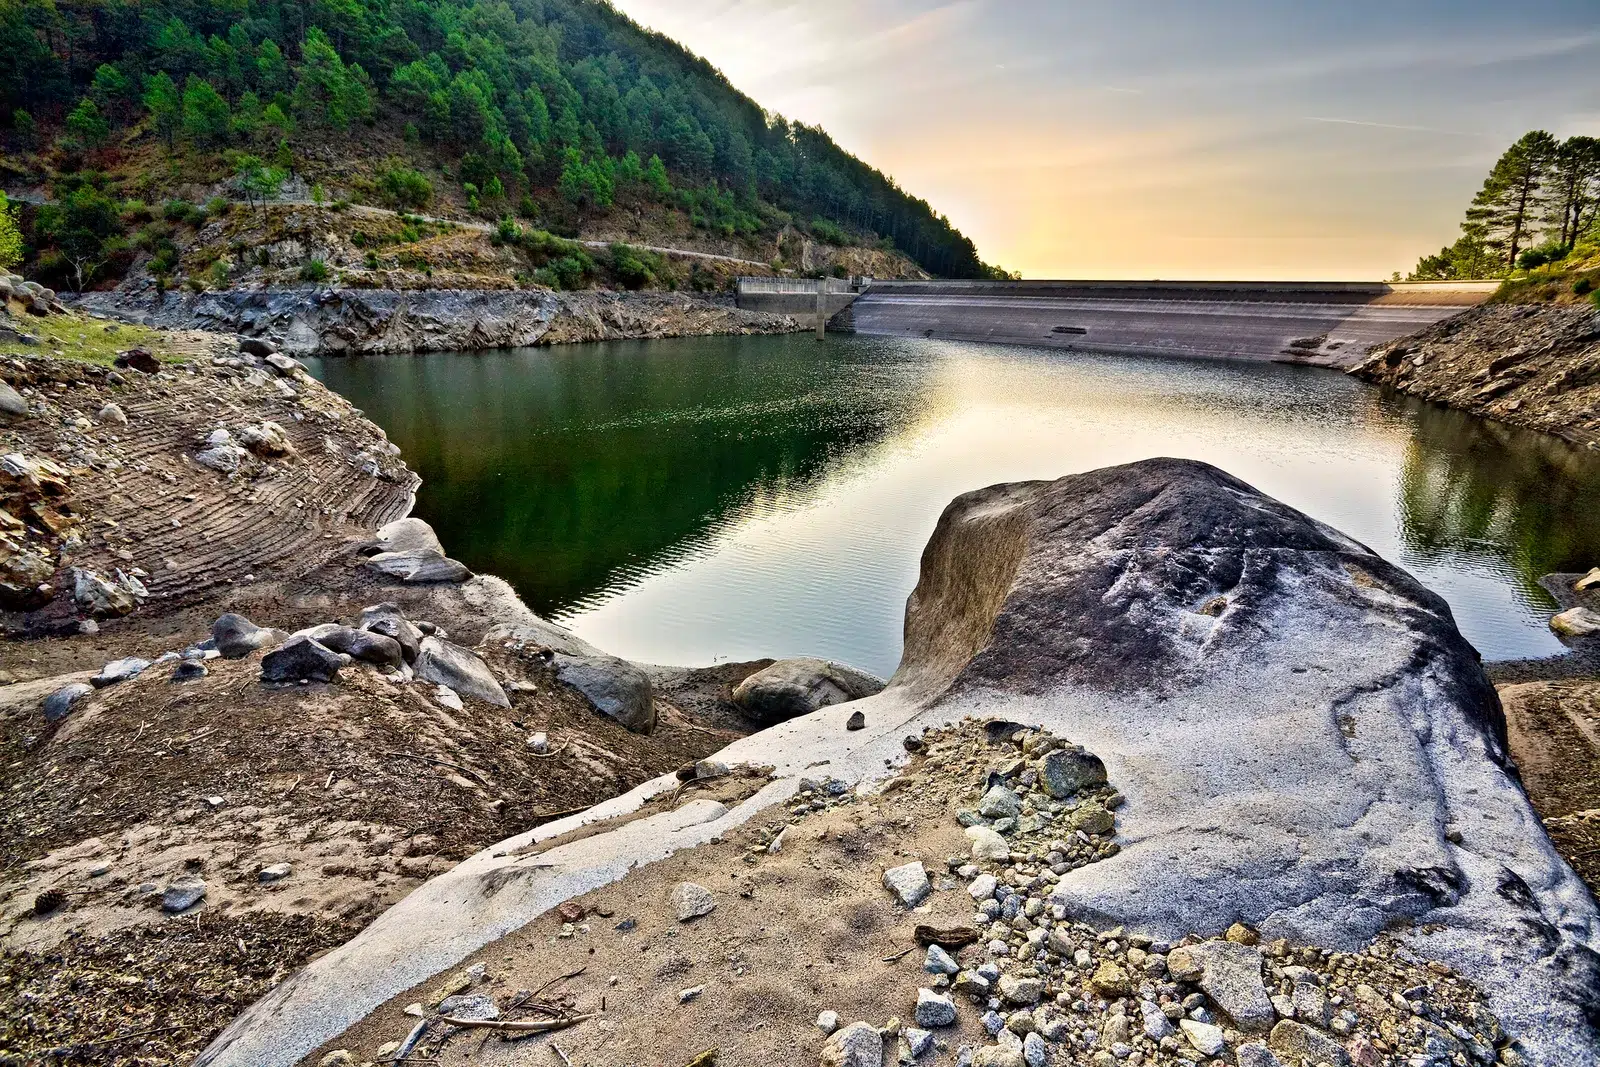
(334, 321)
(1531, 365)
(388, 770)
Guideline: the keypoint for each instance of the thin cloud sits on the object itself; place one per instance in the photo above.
(1392, 126)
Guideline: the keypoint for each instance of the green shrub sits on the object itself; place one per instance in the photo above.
(217, 276)
(217, 207)
(565, 272)
(371, 261)
(313, 270)
(136, 211)
(1583, 287)
(829, 232)
(1549, 252)
(405, 189)
(1594, 298)
(177, 211)
(634, 267)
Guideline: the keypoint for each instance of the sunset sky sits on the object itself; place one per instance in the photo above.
(1170, 139)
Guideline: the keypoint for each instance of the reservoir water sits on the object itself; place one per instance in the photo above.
(696, 500)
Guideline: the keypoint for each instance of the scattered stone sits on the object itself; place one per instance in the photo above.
(267, 439)
(1000, 803)
(1255, 1054)
(59, 704)
(12, 405)
(828, 1022)
(539, 744)
(475, 1006)
(938, 961)
(794, 687)
(1034, 1052)
(275, 872)
(918, 1042)
(284, 365)
(183, 894)
(615, 688)
(464, 671)
(236, 636)
(98, 597)
(113, 414)
(119, 670)
(1230, 974)
(387, 619)
(1297, 1042)
(857, 1045)
(1576, 622)
(448, 698)
(983, 887)
(1205, 1037)
(690, 901)
(411, 552)
(140, 359)
(1092, 818)
(908, 882)
(934, 1009)
(189, 670)
(686, 995)
(988, 845)
(1588, 581)
(856, 721)
(259, 347)
(337, 1058)
(1064, 772)
(1015, 990)
(301, 659)
(1111, 980)
(361, 645)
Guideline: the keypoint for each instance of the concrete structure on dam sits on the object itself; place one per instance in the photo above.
(1322, 323)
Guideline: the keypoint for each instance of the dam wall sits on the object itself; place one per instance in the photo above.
(798, 296)
(1321, 323)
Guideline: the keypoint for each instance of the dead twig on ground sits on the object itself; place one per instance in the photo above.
(708, 1058)
(555, 1048)
(520, 1026)
(898, 956)
(439, 763)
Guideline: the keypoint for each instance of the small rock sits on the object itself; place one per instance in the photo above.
(1576, 622)
(1092, 818)
(908, 882)
(1297, 1042)
(337, 1058)
(539, 744)
(12, 405)
(1156, 1023)
(236, 636)
(938, 961)
(828, 1022)
(448, 698)
(475, 1006)
(301, 659)
(988, 845)
(1034, 1051)
(934, 1009)
(982, 887)
(140, 359)
(686, 995)
(1000, 803)
(257, 346)
(57, 705)
(918, 1042)
(690, 901)
(1111, 980)
(709, 768)
(189, 670)
(119, 670)
(1206, 1038)
(113, 414)
(1588, 581)
(1255, 1054)
(793, 687)
(999, 1056)
(275, 872)
(857, 1045)
(1064, 772)
(856, 721)
(182, 894)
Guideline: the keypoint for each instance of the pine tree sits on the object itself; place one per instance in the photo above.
(166, 108)
(1574, 190)
(1505, 211)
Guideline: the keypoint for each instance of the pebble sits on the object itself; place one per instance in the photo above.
(686, 995)
(938, 961)
(474, 1006)
(1034, 1051)
(690, 901)
(1205, 1037)
(59, 704)
(908, 882)
(539, 743)
(275, 872)
(988, 845)
(182, 894)
(918, 1042)
(934, 1009)
(856, 721)
(828, 1022)
(983, 887)
(119, 670)
(857, 1045)
(448, 698)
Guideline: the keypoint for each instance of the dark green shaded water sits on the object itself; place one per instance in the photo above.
(690, 500)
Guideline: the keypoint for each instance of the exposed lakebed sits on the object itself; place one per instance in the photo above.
(701, 499)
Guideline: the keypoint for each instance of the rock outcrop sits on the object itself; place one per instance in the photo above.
(1535, 366)
(351, 321)
(1304, 741)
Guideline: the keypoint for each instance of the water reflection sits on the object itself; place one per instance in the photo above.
(682, 501)
(1522, 501)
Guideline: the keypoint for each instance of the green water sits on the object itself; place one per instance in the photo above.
(693, 500)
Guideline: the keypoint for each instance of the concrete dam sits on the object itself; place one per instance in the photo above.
(1322, 323)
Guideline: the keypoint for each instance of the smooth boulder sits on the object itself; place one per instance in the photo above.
(460, 669)
(357, 644)
(614, 687)
(795, 687)
(59, 705)
(409, 551)
(300, 659)
(237, 637)
(389, 621)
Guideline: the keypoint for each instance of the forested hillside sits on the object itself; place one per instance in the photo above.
(1536, 217)
(555, 110)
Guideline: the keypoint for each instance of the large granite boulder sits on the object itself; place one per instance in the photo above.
(793, 687)
(443, 663)
(1304, 740)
